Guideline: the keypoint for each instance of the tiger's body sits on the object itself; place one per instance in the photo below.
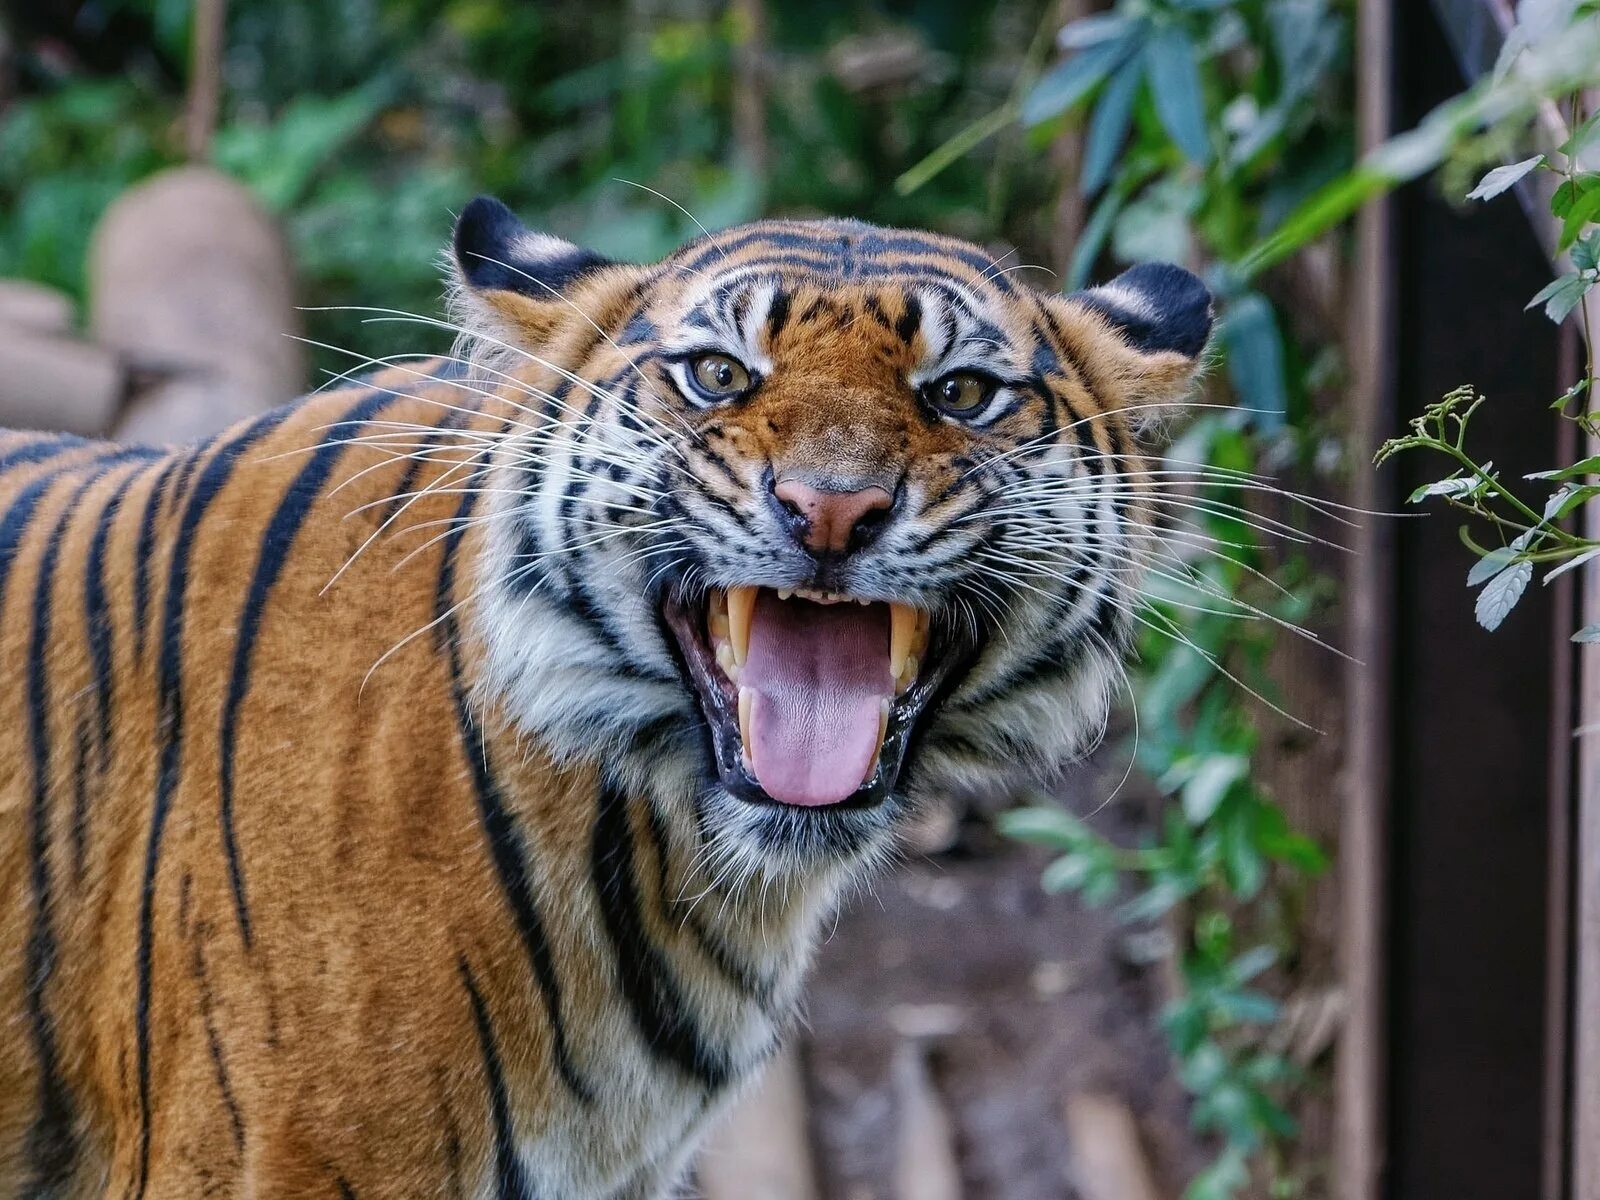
(360, 833)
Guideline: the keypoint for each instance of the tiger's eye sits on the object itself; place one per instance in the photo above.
(960, 391)
(719, 375)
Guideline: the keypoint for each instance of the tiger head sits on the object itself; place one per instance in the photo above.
(812, 518)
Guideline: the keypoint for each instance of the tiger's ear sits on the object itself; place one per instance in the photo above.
(1156, 307)
(1159, 319)
(514, 278)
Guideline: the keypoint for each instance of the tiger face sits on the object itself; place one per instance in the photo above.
(813, 518)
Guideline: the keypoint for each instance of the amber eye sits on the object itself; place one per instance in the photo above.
(717, 377)
(960, 392)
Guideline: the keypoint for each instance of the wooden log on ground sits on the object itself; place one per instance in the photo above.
(1108, 1161)
(57, 383)
(35, 306)
(189, 279)
(762, 1151)
(926, 1165)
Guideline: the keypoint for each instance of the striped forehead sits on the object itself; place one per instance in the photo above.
(755, 281)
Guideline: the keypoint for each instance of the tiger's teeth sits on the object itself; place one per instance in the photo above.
(747, 703)
(741, 607)
(908, 673)
(725, 661)
(903, 622)
(883, 730)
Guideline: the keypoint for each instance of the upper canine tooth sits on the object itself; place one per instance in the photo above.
(741, 608)
(902, 634)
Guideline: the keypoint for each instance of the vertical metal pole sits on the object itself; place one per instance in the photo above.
(1586, 931)
(1360, 1134)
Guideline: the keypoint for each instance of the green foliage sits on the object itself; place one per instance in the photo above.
(1511, 535)
(1204, 123)
(364, 124)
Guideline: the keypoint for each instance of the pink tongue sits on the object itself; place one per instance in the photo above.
(820, 673)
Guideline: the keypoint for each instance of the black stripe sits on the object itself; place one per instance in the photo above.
(143, 549)
(778, 315)
(276, 542)
(169, 677)
(510, 1181)
(208, 1019)
(501, 830)
(51, 1144)
(910, 320)
(744, 978)
(98, 630)
(659, 1011)
(39, 450)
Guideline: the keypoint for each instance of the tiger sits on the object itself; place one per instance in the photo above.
(435, 787)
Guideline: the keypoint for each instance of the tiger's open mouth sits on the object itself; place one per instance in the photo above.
(813, 699)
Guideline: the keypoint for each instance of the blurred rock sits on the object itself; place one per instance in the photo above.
(190, 279)
(52, 382)
(34, 306)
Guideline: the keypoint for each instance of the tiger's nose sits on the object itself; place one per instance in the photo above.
(833, 519)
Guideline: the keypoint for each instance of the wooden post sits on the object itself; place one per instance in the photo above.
(763, 1150)
(750, 86)
(1586, 932)
(205, 77)
(1359, 1135)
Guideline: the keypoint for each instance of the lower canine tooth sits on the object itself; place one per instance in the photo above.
(747, 703)
(883, 729)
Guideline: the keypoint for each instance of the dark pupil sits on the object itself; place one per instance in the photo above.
(723, 373)
(952, 391)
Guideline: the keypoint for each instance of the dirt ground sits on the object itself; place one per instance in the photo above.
(1012, 1000)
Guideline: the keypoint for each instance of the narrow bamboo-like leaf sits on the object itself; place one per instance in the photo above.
(1088, 31)
(1175, 85)
(1108, 128)
(978, 131)
(1589, 633)
(1255, 359)
(1071, 80)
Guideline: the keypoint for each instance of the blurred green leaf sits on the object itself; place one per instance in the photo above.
(1108, 127)
(1255, 359)
(1070, 80)
(1175, 84)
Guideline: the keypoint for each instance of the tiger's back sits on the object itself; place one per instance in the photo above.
(213, 819)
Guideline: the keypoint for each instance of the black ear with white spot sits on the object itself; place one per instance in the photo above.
(1156, 307)
(496, 252)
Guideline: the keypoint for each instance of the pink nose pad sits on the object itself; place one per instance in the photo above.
(831, 518)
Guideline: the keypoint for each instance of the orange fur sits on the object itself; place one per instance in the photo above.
(403, 945)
